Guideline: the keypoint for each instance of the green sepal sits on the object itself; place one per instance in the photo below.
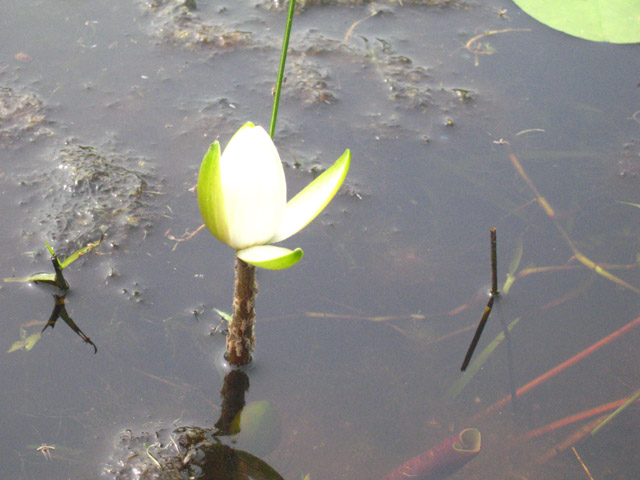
(210, 199)
(270, 257)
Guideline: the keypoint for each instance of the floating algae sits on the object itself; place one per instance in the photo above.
(178, 21)
(302, 4)
(183, 453)
(21, 117)
(89, 192)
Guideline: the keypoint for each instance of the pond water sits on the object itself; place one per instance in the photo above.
(357, 345)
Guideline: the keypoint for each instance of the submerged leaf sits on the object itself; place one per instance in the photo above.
(26, 343)
(615, 413)
(258, 427)
(473, 368)
(513, 267)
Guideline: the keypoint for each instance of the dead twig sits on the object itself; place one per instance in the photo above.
(185, 237)
(582, 463)
(358, 22)
(485, 49)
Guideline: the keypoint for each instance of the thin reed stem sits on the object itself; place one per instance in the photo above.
(283, 61)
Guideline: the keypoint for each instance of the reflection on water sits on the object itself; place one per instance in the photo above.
(188, 452)
(357, 345)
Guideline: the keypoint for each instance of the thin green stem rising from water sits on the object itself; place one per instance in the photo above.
(283, 61)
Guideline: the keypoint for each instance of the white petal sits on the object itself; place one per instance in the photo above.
(253, 187)
(307, 204)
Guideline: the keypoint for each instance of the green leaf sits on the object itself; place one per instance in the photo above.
(270, 257)
(26, 343)
(613, 21)
(36, 277)
(473, 368)
(629, 203)
(513, 267)
(51, 251)
(210, 197)
(224, 315)
(307, 204)
(74, 256)
(611, 416)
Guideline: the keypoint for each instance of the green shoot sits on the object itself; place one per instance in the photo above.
(283, 61)
(473, 368)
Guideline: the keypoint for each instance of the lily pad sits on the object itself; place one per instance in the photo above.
(613, 21)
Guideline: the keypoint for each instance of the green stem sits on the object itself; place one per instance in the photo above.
(283, 60)
(60, 282)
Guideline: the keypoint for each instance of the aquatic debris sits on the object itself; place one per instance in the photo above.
(629, 163)
(312, 83)
(88, 192)
(177, 21)
(22, 117)
(182, 454)
(443, 460)
(314, 58)
(302, 4)
(407, 83)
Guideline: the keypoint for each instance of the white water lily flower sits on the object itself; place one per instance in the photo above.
(243, 197)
